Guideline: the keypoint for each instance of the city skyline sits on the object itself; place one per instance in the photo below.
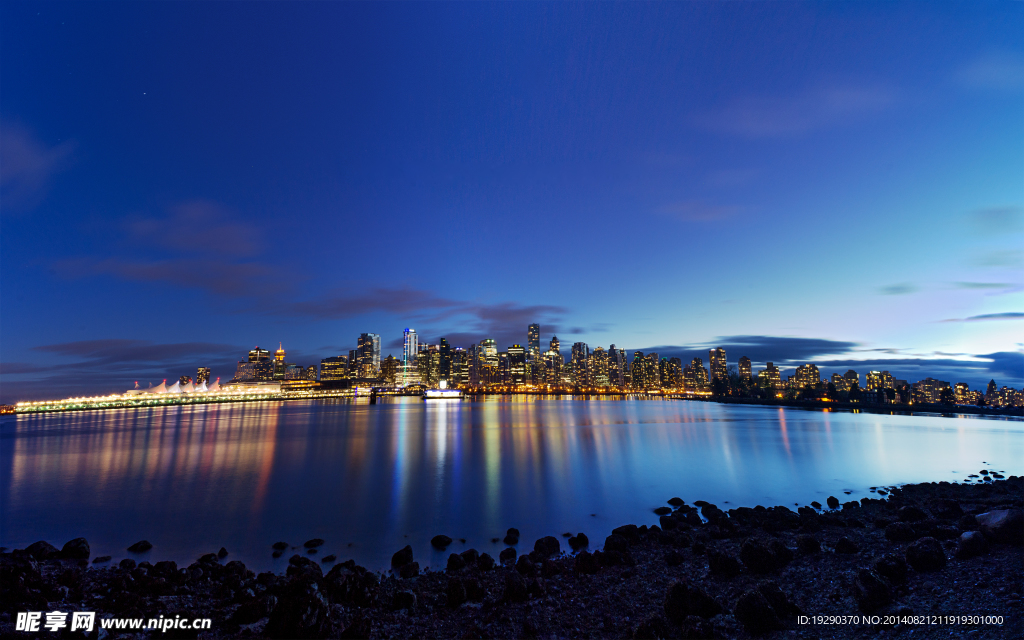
(800, 183)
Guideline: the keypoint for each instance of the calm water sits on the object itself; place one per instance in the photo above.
(370, 479)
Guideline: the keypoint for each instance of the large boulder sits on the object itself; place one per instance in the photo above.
(684, 599)
(145, 545)
(586, 563)
(42, 550)
(77, 549)
(1003, 525)
(900, 532)
(721, 564)
(970, 544)
(926, 555)
(547, 546)
(910, 514)
(579, 541)
(440, 542)
(615, 542)
(402, 557)
(628, 531)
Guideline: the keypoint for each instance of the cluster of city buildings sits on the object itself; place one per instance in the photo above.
(482, 367)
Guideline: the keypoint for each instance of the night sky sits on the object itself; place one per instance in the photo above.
(836, 183)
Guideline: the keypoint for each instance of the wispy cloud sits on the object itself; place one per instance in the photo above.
(900, 289)
(1000, 71)
(998, 220)
(223, 278)
(27, 165)
(197, 227)
(1000, 258)
(983, 285)
(989, 317)
(817, 108)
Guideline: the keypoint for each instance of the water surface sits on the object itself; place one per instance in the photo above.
(369, 479)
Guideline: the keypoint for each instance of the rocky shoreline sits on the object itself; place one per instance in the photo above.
(923, 552)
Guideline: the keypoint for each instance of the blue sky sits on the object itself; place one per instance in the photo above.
(826, 182)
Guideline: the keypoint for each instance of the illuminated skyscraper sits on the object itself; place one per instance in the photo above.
(700, 374)
(202, 375)
(617, 367)
(446, 360)
(259, 355)
(517, 364)
(369, 354)
(598, 366)
(807, 374)
(533, 342)
(555, 345)
(716, 361)
(280, 366)
(745, 372)
(580, 371)
(770, 377)
(390, 371)
(410, 349)
(638, 371)
(852, 378)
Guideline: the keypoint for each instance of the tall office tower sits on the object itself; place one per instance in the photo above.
(369, 354)
(472, 366)
(533, 342)
(490, 350)
(745, 372)
(428, 363)
(553, 367)
(598, 366)
(700, 374)
(716, 361)
(555, 346)
(259, 355)
(390, 371)
(354, 368)
(652, 371)
(459, 375)
(616, 367)
(503, 373)
(334, 368)
(202, 375)
(183, 380)
(676, 369)
(580, 372)
(807, 374)
(637, 371)
(410, 349)
(446, 360)
(311, 372)
(852, 378)
(517, 364)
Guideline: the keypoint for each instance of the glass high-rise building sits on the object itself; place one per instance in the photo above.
(202, 375)
(517, 364)
(533, 342)
(369, 354)
(717, 364)
(745, 370)
(334, 368)
(410, 349)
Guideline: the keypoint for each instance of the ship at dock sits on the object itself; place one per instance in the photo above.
(442, 392)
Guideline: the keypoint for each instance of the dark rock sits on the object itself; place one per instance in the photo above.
(42, 550)
(663, 511)
(684, 599)
(165, 568)
(783, 554)
(968, 522)
(832, 502)
(223, 553)
(673, 558)
(755, 613)
(405, 600)
(525, 566)
(758, 557)
(910, 514)
(277, 554)
(456, 563)
(816, 504)
(1003, 525)
(456, 591)
(141, 546)
(586, 563)
(512, 531)
(926, 555)
(254, 610)
(723, 564)
(893, 567)
(77, 549)
(277, 546)
(947, 509)
(329, 558)
(485, 562)
(778, 599)
(127, 564)
(668, 523)
(98, 559)
(312, 544)
(440, 542)
(402, 557)
(410, 570)
(807, 544)
(653, 627)
(302, 566)
(616, 542)
(846, 546)
(311, 551)
(871, 590)
(971, 543)
(628, 531)
(900, 532)
(507, 556)
(547, 546)
(712, 513)
(515, 588)
(304, 614)
(579, 541)
(701, 503)
(676, 502)
(511, 539)
(471, 556)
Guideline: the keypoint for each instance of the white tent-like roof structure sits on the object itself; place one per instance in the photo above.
(174, 388)
(215, 387)
(188, 388)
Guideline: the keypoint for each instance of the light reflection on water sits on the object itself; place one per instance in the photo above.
(193, 478)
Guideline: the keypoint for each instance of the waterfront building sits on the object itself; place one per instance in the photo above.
(930, 390)
(580, 353)
(638, 371)
(446, 359)
(672, 373)
(517, 365)
(717, 364)
(597, 365)
(369, 354)
(428, 364)
(555, 346)
(878, 380)
(410, 349)
(744, 369)
(504, 374)
(459, 376)
(852, 379)
(840, 383)
(259, 355)
(390, 371)
(279, 364)
(618, 366)
(806, 375)
(202, 375)
(183, 380)
(553, 367)
(962, 393)
(333, 368)
(700, 374)
(769, 377)
(355, 370)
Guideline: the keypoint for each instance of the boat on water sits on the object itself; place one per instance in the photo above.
(442, 392)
